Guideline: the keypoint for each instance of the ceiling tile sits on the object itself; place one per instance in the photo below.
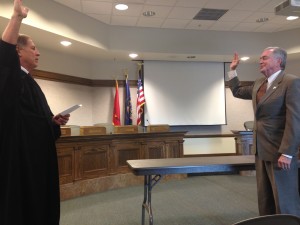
(200, 24)
(161, 2)
(183, 13)
(257, 15)
(234, 15)
(191, 3)
(250, 5)
(103, 18)
(267, 27)
(74, 4)
(150, 22)
(97, 7)
(247, 27)
(224, 4)
(280, 20)
(124, 20)
(160, 11)
(223, 26)
(175, 23)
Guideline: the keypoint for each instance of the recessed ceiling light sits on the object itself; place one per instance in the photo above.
(121, 7)
(149, 13)
(292, 17)
(245, 58)
(65, 43)
(133, 55)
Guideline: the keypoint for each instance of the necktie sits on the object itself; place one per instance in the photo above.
(262, 90)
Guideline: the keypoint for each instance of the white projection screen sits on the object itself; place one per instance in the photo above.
(184, 93)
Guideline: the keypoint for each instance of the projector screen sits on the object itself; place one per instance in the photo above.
(184, 93)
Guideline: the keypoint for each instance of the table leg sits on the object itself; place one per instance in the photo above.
(149, 182)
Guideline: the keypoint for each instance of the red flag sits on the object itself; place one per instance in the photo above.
(140, 101)
(116, 114)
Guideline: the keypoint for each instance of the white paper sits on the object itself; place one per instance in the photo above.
(69, 110)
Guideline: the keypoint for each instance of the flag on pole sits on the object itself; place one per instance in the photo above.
(116, 112)
(140, 100)
(128, 105)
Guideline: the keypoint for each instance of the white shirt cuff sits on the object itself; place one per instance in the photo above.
(231, 74)
(288, 156)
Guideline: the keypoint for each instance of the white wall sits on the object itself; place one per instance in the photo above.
(98, 101)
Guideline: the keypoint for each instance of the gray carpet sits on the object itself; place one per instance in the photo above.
(197, 200)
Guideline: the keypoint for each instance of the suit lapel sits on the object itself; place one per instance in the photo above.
(274, 86)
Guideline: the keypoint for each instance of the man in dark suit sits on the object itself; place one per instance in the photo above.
(276, 105)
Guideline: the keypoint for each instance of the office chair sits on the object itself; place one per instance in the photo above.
(249, 125)
(277, 219)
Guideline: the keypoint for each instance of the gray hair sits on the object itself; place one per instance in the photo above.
(22, 40)
(279, 53)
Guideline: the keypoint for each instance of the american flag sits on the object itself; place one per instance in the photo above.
(140, 101)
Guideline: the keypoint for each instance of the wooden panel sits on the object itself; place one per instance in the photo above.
(126, 129)
(92, 130)
(156, 152)
(65, 164)
(94, 160)
(126, 151)
(173, 150)
(158, 128)
(85, 160)
(65, 131)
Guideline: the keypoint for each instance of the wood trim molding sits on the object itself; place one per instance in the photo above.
(243, 83)
(45, 75)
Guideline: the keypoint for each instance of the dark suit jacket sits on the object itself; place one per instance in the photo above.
(277, 115)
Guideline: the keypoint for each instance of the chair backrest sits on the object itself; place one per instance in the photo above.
(249, 125)
(278, 219)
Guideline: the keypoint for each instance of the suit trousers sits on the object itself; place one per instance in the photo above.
(277, 189)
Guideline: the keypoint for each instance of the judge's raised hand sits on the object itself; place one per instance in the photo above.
(235, 61)
(19, 9)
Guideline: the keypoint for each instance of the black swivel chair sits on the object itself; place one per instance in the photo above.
(249, 125)
(278, 219)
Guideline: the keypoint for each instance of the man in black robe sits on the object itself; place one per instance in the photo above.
(29, 188)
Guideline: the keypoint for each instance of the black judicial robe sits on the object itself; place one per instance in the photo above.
(29, 184)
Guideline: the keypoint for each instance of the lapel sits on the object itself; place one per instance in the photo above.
(274, 86)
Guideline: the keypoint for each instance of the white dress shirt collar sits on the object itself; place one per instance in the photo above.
(26, 71)
(273, 77)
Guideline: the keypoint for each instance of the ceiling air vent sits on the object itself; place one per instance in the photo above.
(210, 14)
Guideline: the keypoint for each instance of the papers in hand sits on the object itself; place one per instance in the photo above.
(69, 110)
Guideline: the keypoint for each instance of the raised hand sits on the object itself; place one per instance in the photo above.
(235, 61)
(19, 9)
